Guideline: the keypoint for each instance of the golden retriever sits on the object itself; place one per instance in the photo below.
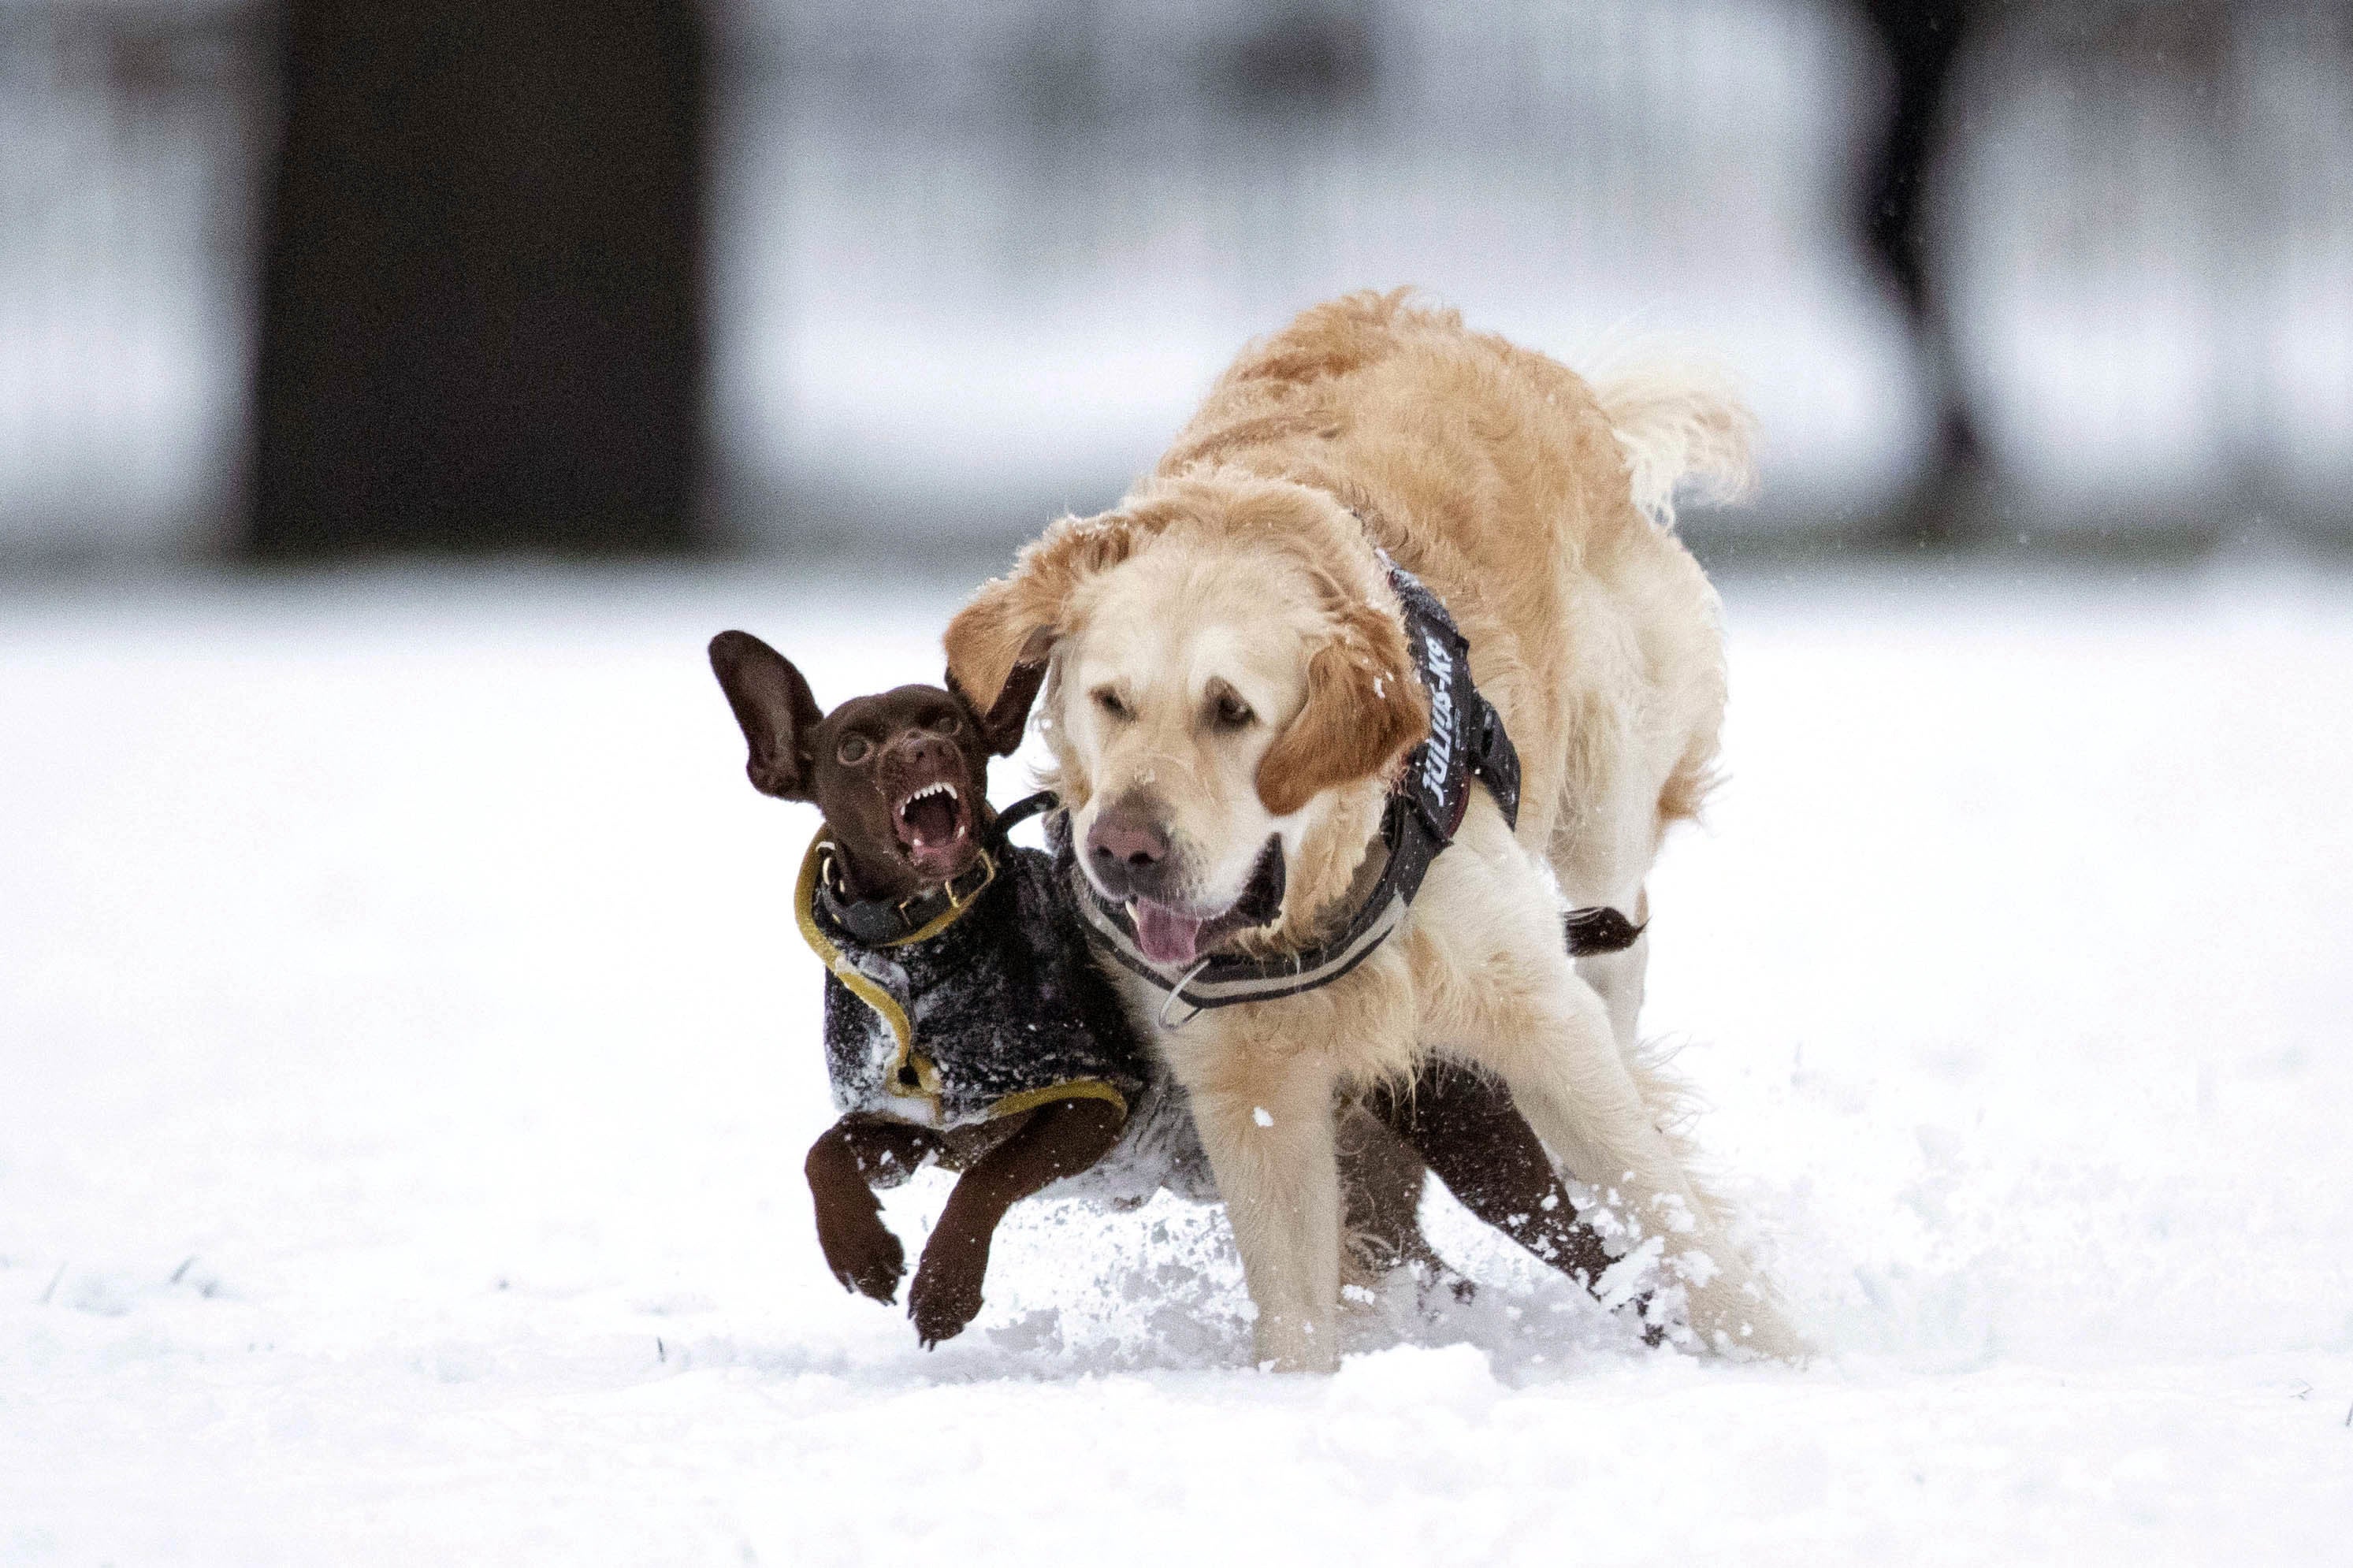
(1229, 696)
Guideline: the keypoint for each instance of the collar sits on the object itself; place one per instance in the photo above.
(1466, 741)
(898, 923)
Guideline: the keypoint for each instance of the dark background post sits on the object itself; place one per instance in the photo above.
(1924, 40)
(481, 280)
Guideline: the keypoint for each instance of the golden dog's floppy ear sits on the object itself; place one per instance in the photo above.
(1013, 621)
(1001, 727)
(1365, 710)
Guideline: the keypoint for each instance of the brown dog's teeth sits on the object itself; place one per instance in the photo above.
(933, 815)
(929, 790)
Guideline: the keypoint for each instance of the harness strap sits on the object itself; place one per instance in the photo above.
(1022, 810)
(1467, 739)
(910, 1076)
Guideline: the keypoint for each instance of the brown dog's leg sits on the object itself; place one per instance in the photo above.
(1380, 1200)
(843, 1166)
(1052, 1141)
(1464, 1123)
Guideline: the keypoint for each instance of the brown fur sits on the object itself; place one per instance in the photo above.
(1451, 1120)
(1001, 1163)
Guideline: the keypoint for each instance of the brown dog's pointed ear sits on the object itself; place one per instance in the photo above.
(773, 704)
(1364, 709)
(1001, 727)
(1014, 620)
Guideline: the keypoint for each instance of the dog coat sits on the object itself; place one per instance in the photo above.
(992, 1007)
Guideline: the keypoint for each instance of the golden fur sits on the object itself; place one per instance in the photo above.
(1249, 563)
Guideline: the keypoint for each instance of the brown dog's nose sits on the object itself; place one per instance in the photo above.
(1128, 846)
(923, 749)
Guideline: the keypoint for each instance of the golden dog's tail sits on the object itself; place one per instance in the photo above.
(1682, 427)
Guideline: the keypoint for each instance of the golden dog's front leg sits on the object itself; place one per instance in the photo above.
(1270, 1141)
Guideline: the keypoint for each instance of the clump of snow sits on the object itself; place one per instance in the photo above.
(409, 1061)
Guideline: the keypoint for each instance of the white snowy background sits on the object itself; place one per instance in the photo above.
(405, 1061)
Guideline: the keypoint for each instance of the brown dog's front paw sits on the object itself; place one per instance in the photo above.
(866, 1257)
(943, 1302)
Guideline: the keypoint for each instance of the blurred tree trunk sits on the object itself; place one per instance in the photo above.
(1924, 39)
(481, 292)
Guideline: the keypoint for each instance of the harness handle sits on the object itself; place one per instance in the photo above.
(1022, 810)
(1178, 991)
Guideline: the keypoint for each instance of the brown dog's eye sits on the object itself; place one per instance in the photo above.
(854, 749)
(1108, 700)
(1231, 713)
(946, 724)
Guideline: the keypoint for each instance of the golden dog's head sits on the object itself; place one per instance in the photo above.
(1229, 693)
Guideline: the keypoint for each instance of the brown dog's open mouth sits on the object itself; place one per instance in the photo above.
(932, 818)
(934, 824)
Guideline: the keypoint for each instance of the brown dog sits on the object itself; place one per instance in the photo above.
(1028, 1069)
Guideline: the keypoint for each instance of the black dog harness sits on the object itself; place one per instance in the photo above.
(1467, 740)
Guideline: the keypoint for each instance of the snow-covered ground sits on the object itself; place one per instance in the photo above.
(407, 1062)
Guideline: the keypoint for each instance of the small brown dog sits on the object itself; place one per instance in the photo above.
(967, 1024)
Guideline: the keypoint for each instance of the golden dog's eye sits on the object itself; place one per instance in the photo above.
(853, 749)
(1108, 700)
(1231, 713)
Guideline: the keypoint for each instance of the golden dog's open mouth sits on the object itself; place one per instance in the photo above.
(1165, 935)
(1177, 938)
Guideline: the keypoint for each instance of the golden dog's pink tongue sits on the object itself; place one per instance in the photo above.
(1166, 936)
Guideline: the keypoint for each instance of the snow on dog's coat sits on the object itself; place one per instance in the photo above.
(1228, 677)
